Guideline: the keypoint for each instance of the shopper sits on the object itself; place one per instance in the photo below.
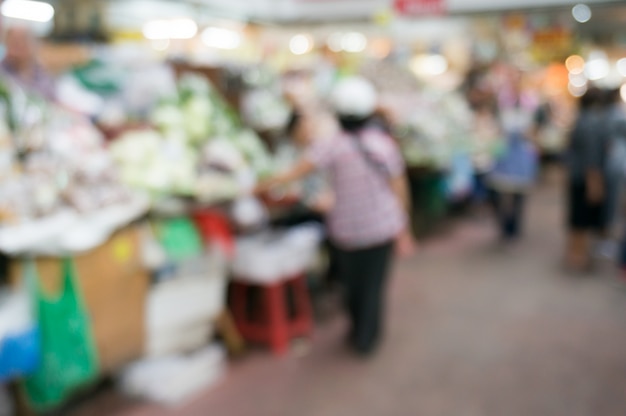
(21, 62)
(586, 157)
(613, 117)
(510, 181)
(369, 216)
(515, 169)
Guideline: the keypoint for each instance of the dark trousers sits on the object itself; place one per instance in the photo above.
(508, 207)
(364, 274)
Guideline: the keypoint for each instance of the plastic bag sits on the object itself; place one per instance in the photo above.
(179, 238)
(68, 353)
(19, 337)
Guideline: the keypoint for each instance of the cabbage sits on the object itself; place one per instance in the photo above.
(197, 118)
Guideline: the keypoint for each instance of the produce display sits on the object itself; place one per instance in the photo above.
(433, 126)
(59, 188)
(197, 147)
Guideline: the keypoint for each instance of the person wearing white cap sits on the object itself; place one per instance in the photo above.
(369, 217)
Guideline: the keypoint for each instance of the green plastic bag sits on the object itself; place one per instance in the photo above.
(69, 358)
(180, 238)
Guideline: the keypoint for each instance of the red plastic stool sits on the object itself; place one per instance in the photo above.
(271, 324)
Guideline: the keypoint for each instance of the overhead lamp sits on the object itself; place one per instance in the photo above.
(353, 42)
(597, 67)
(429, 65)
(577, 91)
(300, 44)
(34, 11)
(581, 13)
(334, 42)
(575, 64)
(170, 29)
(621, 67)
(221, 38)
(577, 80)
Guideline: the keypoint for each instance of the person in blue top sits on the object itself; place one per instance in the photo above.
(515, 169)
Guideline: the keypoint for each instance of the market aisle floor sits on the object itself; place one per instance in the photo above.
(473, 330)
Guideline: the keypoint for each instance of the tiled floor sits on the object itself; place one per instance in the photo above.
(473, 330)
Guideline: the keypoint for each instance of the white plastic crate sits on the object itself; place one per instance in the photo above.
(269, 257)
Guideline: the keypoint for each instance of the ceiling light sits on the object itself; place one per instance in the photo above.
(577, 80)
(300, 44)
(221, 38)
(334, 42)
(429, 65)
(353, 42)
(34, 11)
(575, 64)
(581, 13)
(597, 69)
(183, 29)
(577, 91)
(621, 67)
(170, 29)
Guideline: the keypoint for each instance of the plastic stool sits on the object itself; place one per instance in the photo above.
(272, 324)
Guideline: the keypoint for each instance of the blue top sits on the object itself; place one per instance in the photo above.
(516, 168)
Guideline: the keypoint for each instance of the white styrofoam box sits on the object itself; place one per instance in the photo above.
(31, 235)
(269, 257)
(178, 304)
(161, 342)
(173, 379)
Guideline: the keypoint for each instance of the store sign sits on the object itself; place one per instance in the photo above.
(420, 7)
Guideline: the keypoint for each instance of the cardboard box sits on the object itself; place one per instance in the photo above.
(114, 287)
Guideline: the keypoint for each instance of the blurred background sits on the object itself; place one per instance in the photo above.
(142, 271)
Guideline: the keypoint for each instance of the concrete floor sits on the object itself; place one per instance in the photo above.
(473, 330)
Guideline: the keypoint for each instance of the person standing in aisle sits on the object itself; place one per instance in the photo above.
(515, 169)
(586, 158)
(22, 65)
(614, 116)
(369, 217)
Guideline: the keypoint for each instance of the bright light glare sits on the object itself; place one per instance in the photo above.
(577, 91)
(354, 42)
(597, 69)
(622, 92)
(300, 44)
(34, 11)
(221, 38)
(621, 67)
(334, 42)
(160, 44)
(170, 29)
(429, 65)
(581, 13)
(577, 80)
(575, 64)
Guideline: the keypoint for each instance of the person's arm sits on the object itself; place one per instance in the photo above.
(300, 170)
(405, 242)
(595, 186)
(400, 187)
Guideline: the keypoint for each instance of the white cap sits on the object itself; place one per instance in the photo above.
(354, 96)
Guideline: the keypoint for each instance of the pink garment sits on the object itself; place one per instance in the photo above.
(366, 211)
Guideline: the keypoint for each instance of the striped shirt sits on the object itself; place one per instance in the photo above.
(366, 211)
